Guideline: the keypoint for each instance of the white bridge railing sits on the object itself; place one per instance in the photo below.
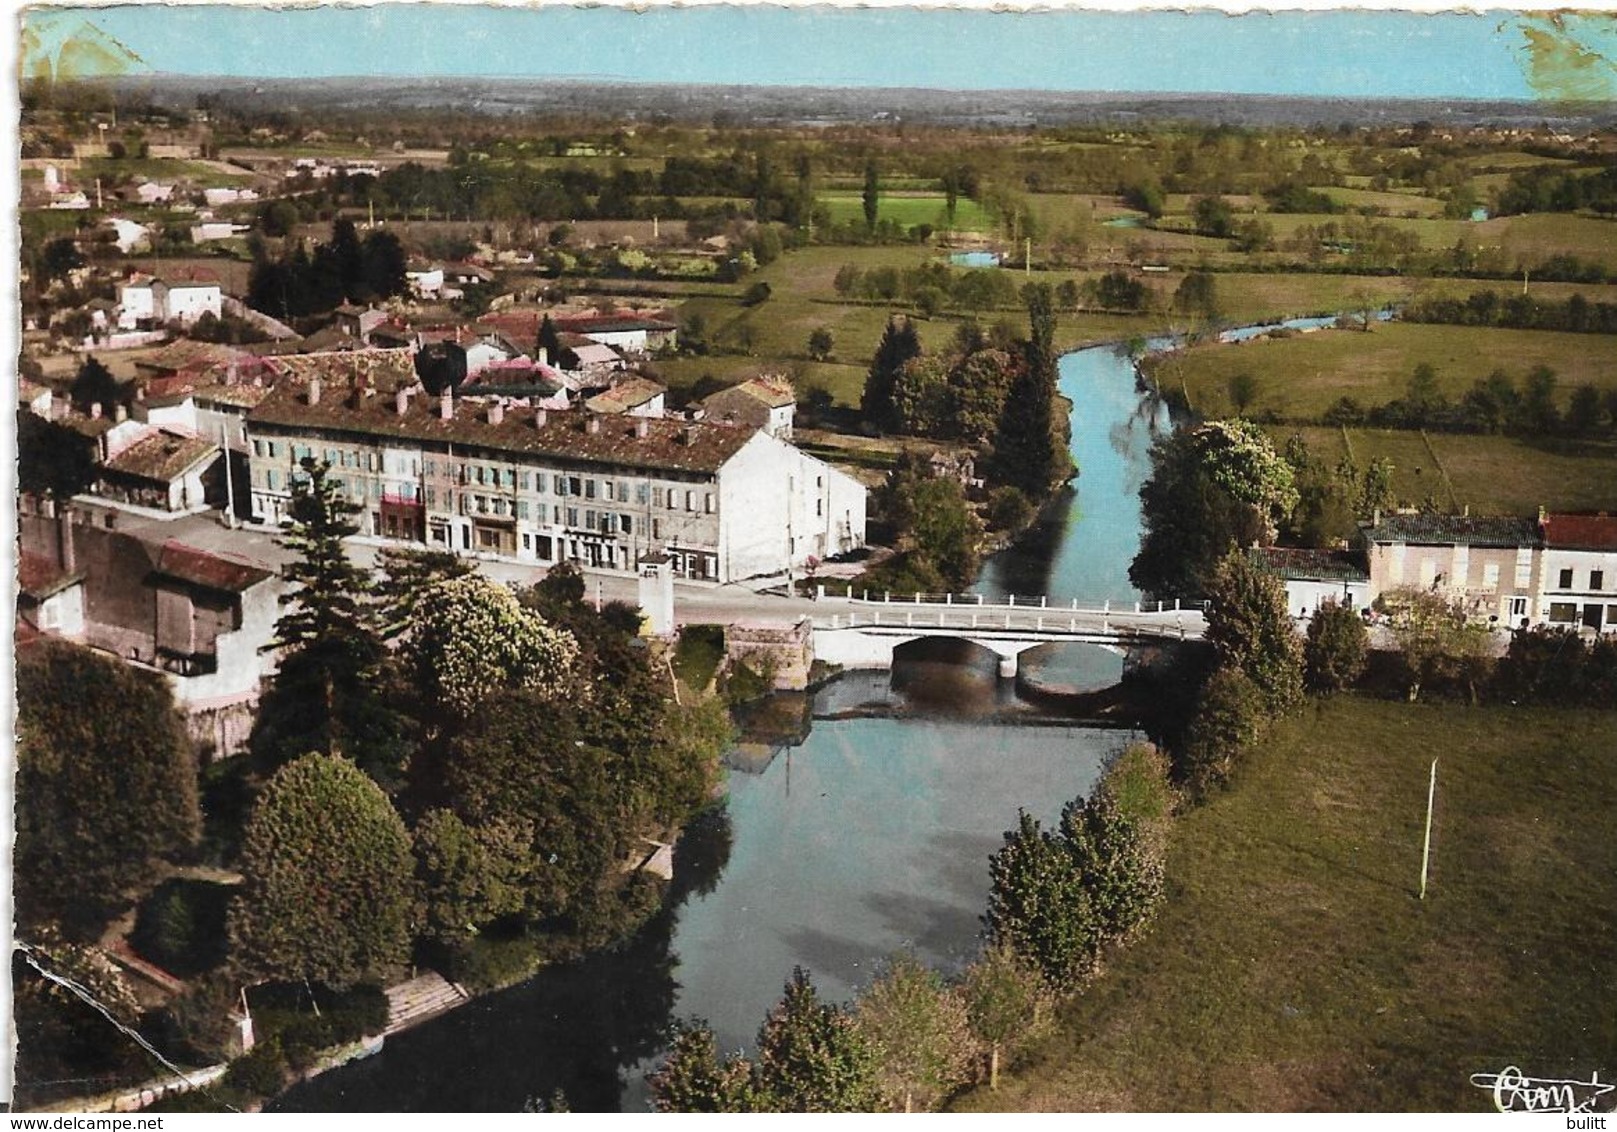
(1053, 622)
(1022, 603)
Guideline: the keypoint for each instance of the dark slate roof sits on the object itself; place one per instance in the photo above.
(670, 445)
(1299, 564)
(209, 570)
(1580, 532)
(1455, 530)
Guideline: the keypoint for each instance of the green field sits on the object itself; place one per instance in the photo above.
(1299, 378)
(1292, 967)
(1492, 475)
(113, 172)
(908, 209)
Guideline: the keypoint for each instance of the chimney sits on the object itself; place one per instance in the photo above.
(540, 418)
(64, 536)
(120, 413)
(95, 411)
(314, 391)
(592, 423)
(496, 411)
(401, 401)
(446, 405)
(544, 356)
(642, 427)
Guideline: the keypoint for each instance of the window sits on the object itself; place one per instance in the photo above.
(522, 511)
(690, 500)
(589, 489)
(819, 509)
(641, 493)
(527, 542)
(272, 479)
(479, 475)
(1566, 580)
(572, 516)
(272, 449)
(432, 467)
(527, 480)
(1563, 611)
(589, 520)
(482, 505)
(499, 506)
(575, 486)
(626, 524)
(258, 448)
(432, 497)
(707, 503)
(656, 497)
(559, 483)
(1597, 579)
(656, 528)
(1490, 574)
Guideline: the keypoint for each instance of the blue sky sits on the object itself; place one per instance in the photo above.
(1345, 53)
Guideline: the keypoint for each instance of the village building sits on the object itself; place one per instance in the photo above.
(636, 397)
(765, 402)
(183, 297)
(162, 471)
(1487, 564)
(1314, 577)
(544, 487)
(1579, 571)
(206, 620)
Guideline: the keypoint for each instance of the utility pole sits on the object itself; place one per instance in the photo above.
(1426, 849)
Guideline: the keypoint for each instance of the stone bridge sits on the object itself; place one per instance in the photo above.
(866, 635)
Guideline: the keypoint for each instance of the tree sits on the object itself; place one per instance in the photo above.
(469, 875)
(1026, 452)
(1436, 640)
(1037, 906)
(945, 530)
(1243, 390)
(921, 396)
(326, 879)
(1250, 628)
(331, 691)
(1120, 870)
(407, 574)
(820, 344)
(979, 384)
(898, 345)
(470, 638)
(1337, 649)
(1007, 1005)
(871, 196)
(920, 1032)
(692, 1078)
(1230, 717)
(1213, 216)
(106, 785)
(52, 459)
(549, 339)
(812, 1057)
(382, 266)
(1197, 294)
(61, 256)
(95, 385)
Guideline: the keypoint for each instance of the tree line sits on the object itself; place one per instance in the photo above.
(347, 268)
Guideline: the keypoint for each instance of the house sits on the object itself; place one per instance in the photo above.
(425, 282)
(151, 192)
(1579, 571)
(1314, 577)
(631, 334)
(579, 353)
(163, 471)
(636, 397)
(543, 486)
(765, 402)
(50, 596)
(1489, 564)
(127, 234)
(359, 322)
(211, 230)
(139, 302)
(204, 619)
(222, 196)
(191, 293)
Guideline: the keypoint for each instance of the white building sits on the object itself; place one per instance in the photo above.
(546, 487)
(425, 282)
(1580, 572)
(129, 233)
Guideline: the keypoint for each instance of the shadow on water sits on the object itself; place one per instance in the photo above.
(1024, 567)
(579, 1028)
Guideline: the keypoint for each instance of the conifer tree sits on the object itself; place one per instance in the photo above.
(1025, 446)
(899, 343)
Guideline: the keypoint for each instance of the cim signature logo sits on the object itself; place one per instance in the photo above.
(1514, 1092)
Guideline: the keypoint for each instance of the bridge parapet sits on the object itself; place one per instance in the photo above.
(1021, 602)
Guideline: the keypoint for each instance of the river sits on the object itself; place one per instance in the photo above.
(870, 836)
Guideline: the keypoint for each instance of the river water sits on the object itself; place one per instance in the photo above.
(870, 836)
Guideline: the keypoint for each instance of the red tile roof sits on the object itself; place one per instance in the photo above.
(161, 456)
(1580, 532)
(212, 571)
(40, 576)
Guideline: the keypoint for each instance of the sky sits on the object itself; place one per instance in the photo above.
(1355, 53)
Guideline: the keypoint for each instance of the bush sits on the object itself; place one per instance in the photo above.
(1337, 648)
(261, 1072)
(181, 926)
(1230, 716)
(1009, 509)
(488, 962)
(1138, 781)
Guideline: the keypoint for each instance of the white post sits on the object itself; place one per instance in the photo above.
(979, 599)
(230, 483)
(1010, 600)
(1426, 848)
(948, 598)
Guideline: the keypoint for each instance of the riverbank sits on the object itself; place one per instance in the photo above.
(1292, 966)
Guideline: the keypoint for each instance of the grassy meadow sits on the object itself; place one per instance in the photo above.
(1292, 967)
